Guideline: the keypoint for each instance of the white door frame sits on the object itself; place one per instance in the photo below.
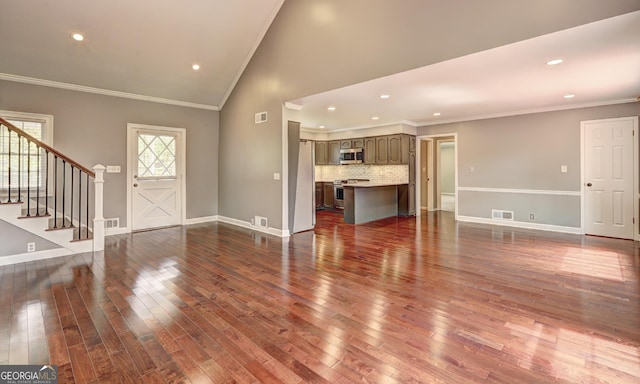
(636, 176)
(181, 132)
(438, 171)
(428, 172)
(419, 174)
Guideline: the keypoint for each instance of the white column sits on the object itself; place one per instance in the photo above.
(98, 219)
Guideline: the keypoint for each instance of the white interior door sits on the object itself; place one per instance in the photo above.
(156, 178)
(608, 177)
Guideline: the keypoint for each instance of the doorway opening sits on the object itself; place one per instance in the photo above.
(437, 173)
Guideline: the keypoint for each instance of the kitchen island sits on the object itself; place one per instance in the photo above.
(365, 202)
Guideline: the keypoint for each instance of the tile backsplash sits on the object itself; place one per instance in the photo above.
(375, 173)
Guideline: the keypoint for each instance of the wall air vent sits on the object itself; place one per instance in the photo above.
(498, 214)
(261, 117)
(112, 223)
(261, 222)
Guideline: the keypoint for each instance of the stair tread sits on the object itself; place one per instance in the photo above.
(33, 216)
(59, 223)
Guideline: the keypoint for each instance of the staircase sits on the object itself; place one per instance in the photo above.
(47, 194)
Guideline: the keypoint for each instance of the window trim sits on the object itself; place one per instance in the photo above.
(47, 135)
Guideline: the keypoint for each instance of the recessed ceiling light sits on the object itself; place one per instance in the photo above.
(375, 118)
(384, 96)
(554, 62)
(195, 67)
(437, 114)
(322, 126)
(332, 108)
(569, 96)
(77, 37)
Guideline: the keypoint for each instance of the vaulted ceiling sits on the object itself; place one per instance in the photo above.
(146, 48)
(140, 48)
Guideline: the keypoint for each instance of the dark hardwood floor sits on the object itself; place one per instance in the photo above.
(396, 301)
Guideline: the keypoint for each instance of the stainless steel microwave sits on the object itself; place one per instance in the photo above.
(351, 156)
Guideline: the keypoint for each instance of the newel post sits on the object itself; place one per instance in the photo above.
(98, 220)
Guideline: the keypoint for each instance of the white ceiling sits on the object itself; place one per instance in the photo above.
(601, 66)
(134, 47)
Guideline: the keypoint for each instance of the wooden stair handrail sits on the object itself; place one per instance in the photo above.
(48, 148)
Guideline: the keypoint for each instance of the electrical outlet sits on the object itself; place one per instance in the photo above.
(31, 247)
(276, 176)
(253, 221)
(563, 169)
(532, 216)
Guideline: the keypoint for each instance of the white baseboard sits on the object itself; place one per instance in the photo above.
(246, 224)
(522, 224)
(33, 256)
(195, 220)
(200, 220)
(209, 219)
(116, 231)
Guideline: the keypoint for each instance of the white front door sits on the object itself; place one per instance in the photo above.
(608, 177)
(156, 177)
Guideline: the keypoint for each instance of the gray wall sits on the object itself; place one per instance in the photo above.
(524, 152)
(92, 129)
(13, 240)
(318, 45)
(447, 168)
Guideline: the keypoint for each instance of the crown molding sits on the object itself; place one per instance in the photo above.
(106, 92)
(527, 112)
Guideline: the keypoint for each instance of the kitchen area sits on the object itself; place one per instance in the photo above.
(366, 179)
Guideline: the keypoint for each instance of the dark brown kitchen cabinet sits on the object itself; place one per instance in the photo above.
(321, 152)
(382, 146)
(328, 195)
(389, 149)
(407, 199)
(412, 167)
(412, 143)
(333, 152)
(369, 150)
(319, 194)
(395, 149)
(405, 142)
(412, 199)
(354, 143)
(357, 143)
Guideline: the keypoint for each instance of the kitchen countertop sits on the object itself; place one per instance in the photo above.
(367, 184)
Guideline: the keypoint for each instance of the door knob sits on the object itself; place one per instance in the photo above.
(135, 185)
(589, 184)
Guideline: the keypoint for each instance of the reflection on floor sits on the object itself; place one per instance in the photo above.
(400, 300)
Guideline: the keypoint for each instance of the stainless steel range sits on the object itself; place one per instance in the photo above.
(338, 191)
